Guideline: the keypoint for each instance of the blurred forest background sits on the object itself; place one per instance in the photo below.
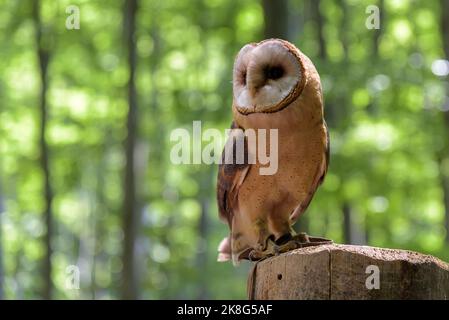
(86, 116)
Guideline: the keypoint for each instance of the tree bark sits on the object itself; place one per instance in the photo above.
(43, 59)
(344, 272)
(129, 283)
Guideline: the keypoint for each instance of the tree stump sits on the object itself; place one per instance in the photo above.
(349, 272)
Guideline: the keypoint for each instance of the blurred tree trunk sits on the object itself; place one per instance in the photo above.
(445, 185)
(201, 257)
(43, 59)
(129, 283)
(444, 158)
(372, 108)
(297, 13)
(347, 223)
(342, 100)
(100, 216)
(206, 176)
(319, 20)
(378, 32)
(276, 18)
(351, 231)
(20, 287)
(2, 209)
(2, 274)
(329, 108)
(203, 231)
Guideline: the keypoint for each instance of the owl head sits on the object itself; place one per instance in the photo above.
(267, 76)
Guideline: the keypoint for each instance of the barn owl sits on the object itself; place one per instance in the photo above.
(275, 86)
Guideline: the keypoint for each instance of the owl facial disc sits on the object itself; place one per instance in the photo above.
(267, 76)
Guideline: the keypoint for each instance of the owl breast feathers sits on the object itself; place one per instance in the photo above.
(275, 86)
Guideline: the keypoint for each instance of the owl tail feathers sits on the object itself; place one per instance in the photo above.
(224, 250)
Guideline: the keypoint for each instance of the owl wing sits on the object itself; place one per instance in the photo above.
(327, 153)
(319, 178)
(231, 175)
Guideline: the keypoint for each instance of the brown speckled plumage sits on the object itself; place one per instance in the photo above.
(259, 206)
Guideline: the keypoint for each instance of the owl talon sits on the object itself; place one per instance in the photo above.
(272, 249)
(301, 237)
(252, 256)
(304, 240)
(258, 255)
(300, 240)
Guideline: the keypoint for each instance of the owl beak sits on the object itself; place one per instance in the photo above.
(253, 91)
(254, 85)
(255, 79)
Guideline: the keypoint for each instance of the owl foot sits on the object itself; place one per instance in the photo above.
(271, 249)
(302, 240)
(285, 244)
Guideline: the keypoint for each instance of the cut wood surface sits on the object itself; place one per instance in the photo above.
(349, 272)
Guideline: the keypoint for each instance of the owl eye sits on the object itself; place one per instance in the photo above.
(273, 72)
